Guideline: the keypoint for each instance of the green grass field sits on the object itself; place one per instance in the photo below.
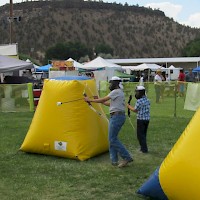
(39, 177)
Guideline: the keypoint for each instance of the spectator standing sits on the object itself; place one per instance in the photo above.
(158, 84)
(167, 79)
(190, 76)
(141, 81)
(181, 83)
(167, 85)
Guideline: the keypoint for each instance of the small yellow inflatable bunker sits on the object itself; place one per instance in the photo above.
(65, 125)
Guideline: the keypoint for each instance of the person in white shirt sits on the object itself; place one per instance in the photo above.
(158, 84)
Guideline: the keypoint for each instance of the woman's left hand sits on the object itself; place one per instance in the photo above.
(87, 99)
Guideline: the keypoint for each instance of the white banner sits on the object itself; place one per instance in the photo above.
(8, 50)
(192, 100)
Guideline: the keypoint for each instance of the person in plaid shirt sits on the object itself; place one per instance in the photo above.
(142, 108)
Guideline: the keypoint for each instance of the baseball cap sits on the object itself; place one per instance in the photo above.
(140, 87)
(115, 78)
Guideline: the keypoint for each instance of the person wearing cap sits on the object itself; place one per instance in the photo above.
(116, 102)
(158, 84)
(142, 108)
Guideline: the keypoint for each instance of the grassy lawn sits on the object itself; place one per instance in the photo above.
(39, 177)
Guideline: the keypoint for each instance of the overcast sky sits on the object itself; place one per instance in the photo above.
(185, 12)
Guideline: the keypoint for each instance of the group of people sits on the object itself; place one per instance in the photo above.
(116, 102)
(182, 79)
(189, 77)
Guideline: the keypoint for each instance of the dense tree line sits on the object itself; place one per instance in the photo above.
(77, 50)
(192, 48)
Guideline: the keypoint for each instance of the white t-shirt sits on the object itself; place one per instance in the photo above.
(141, 81)
(157, 79)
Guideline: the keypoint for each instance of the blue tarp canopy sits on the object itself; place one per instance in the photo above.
(44, 68)
(197, 69)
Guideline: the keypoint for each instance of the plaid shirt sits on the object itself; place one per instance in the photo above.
(143, 107)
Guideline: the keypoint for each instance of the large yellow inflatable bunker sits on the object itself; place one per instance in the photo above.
(178, 177)
(65, 125)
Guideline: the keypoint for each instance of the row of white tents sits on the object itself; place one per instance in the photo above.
(172, 72)
(102, 69)
(100, 63)
(111, 67)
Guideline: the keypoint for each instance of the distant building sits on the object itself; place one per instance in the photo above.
(182, 62)
(9, 50)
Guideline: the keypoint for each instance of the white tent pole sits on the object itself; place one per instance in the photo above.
(148, 75)
(2, 77)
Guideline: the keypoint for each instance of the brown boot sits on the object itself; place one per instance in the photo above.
(124, 163)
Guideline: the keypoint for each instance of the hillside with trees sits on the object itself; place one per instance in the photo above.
(129, 31)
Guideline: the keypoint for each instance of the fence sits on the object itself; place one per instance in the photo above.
(171, 101)
(16, 97)
(20, 98)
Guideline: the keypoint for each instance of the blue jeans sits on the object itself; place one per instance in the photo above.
(115, 146)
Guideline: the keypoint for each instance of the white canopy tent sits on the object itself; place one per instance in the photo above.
(107, 69)
(76, 64)
(144, 66)
(173, 72)
(148, 67)
(34, 65)
(8, 64)
(100, 63)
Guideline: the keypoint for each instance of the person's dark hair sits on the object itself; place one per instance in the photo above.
(114, 84)
(139, 92)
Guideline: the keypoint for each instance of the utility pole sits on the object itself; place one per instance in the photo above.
(11, 21)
